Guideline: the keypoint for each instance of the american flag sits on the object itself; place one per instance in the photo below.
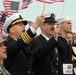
(58, 0)
(25, 4)
(2, 20)
(30, 23)
(11, 6)
(50, 1)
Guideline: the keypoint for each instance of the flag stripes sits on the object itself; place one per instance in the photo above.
(11, 7)
(50, 1)
(2, 20)
(25, 4)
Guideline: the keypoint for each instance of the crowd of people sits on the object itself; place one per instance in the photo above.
(52, 52)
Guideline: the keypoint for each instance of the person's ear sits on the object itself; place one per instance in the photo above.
(12, 30)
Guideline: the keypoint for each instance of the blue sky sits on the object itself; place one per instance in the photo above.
(36, 8)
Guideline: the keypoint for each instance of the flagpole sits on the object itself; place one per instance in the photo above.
(62, 10)
(44, 7)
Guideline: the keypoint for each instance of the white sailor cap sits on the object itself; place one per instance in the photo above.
(50, 17)
(62, 19)
(12, 20)
(74, 31)
(4, 34)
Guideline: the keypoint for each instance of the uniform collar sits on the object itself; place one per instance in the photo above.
(45, 37)
(64, 38)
